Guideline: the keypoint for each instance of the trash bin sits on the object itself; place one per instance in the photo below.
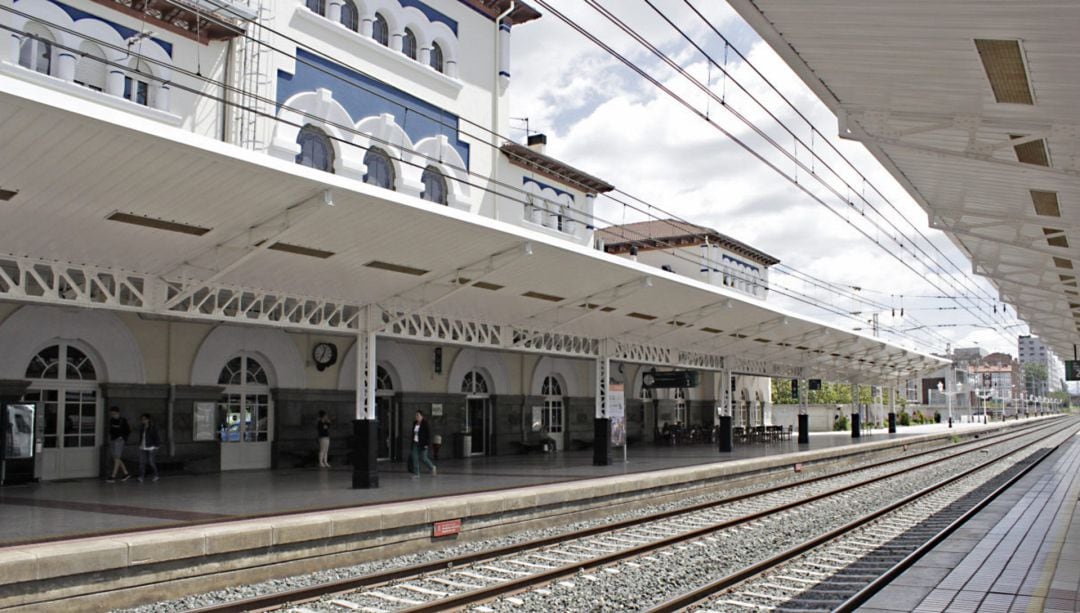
(462, 444)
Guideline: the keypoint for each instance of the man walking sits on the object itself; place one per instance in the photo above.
(421, 441)
(118, 433)
(148, 444)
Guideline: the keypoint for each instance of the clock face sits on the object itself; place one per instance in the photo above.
(648, 379)
(324, 354)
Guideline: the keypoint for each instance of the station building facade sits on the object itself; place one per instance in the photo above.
(407, 95)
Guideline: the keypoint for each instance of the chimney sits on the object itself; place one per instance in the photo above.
(537, 142)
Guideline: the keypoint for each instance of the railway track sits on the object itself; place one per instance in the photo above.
(538, 574)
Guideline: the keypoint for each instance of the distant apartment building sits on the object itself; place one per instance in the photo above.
(1032, 350)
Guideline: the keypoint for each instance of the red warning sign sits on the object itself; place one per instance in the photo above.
(446, 528)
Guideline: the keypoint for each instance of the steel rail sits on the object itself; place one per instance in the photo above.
(309, 593)
(702, 593)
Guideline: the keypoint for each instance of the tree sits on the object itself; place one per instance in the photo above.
(830, 393)
(1035, 378)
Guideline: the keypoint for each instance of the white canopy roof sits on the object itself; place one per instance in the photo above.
(242, 219)
(975, 108)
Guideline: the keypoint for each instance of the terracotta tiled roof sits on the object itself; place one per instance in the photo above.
(668, 233)
(526, 158)
(493, 8)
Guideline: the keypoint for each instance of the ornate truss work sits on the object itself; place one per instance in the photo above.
(40, 281)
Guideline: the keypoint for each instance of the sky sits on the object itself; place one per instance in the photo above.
(602, 118)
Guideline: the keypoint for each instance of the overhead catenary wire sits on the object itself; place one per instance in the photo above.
(682, 101)
(487, 187)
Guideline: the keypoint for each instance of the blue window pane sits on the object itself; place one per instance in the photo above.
(315, 149)
(379, 170)
(380, 30)
(350, 17)
(315, 6)
(434, 185)
(435, 60)
(408, 44)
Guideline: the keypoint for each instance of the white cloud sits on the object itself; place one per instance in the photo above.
(615, 125)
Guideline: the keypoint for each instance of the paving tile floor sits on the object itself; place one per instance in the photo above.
(1019, 554)
(57, 510)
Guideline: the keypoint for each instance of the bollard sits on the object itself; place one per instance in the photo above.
(892, 423)
(950, 422)
(804, 429)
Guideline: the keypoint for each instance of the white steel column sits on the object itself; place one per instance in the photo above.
(366, 426)
(601, 421)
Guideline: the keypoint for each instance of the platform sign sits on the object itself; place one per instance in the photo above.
(449, 527)
(616, 411)
(1072, 370)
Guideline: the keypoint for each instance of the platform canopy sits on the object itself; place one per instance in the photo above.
(974, 107)
(108, 210)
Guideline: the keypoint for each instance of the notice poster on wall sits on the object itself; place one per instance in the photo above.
(203, 422)
(616, 410)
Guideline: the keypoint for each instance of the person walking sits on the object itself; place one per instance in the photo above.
(148, 444)
(421, 441)
(322, 426)
(119, 430)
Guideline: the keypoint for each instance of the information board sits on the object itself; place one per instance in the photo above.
(616, 410)
(204, 427)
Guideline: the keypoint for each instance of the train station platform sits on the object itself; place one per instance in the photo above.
(1019, 554)
(92, 545)
(71, 509)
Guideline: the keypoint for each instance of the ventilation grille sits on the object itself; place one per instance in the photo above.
(7, 194)
(1063, 263)
(543, 296)
(1004, 64)
(1046, 203)
(407, 270)
(158, 224)
(299, 250)
(1033, 152)
(1056, 238)
(644, 316)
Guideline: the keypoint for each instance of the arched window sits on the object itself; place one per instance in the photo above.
(380, 172)
(383, 382)
(316, 6)
(408, 43)
(350, 17)
(435, 58)
(35, 53)
(315, 149)
(64, 386)
(244, 408)
(552, 415)
(434, 186)
(474, 383)
(380, 30)
(90, 71)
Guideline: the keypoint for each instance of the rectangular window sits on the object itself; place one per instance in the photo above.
(137, 91)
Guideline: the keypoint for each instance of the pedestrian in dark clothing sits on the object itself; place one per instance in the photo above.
(148, 445)
(119, 430)
(322, 426)
(421, 441)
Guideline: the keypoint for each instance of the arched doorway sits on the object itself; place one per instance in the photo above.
(64, 385)
(478, 421)
(245, 414)
(386, 412)
(551, 416)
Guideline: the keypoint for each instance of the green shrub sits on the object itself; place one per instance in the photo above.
(905, 419)
(840, 424)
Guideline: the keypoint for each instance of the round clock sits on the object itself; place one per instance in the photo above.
(324, 354)
(648, 379)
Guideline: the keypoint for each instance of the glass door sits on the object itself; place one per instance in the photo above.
(386, 411)
(478, 423)
(245, 412)
(64, 386)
